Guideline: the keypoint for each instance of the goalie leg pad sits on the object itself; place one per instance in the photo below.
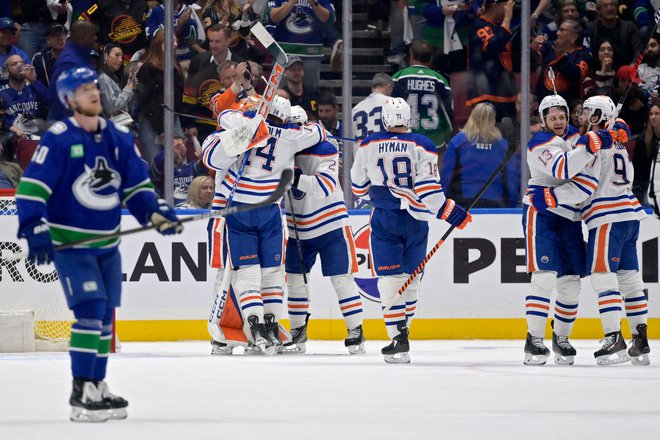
(350, 302)
(298, 300)
(248, 288)
(388, 286)
(566, 305)
(537, 303)
(636, 301)
(606, 286)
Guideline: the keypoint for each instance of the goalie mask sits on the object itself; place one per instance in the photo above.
(249, 103)
(280, 108)
(549, 102)
(395, 113)
(598, 109)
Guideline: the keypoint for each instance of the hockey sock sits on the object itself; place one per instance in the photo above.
(298, 302)
(272, 282)
(609, 300)
(350, 303)
(636, 302)
(85, 337)
(248, 286)
(566, 305)
(537, 303)
(104, 346)
(410, 296)
(388, 286)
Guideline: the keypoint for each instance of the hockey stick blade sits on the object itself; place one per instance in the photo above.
(444, 237)
(282, 187)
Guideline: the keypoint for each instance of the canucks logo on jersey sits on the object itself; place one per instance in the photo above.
(91, 187)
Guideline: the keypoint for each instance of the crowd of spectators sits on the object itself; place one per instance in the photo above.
(591, 46)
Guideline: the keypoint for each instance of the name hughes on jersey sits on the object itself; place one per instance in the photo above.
(420, 85)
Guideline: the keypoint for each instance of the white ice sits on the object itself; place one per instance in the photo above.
(451, 390)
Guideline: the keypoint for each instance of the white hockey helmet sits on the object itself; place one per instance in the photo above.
(395, 113)
(552, 101)
(601, 107)
(280, 108)
(298, 115)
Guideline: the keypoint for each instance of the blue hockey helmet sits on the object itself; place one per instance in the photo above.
(70, 80)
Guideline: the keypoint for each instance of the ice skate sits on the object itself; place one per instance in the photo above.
(260, 336)
(220, 348)
(564, 351)
(612, 350)
(117, 404)
(355, 340)
(397, 351)
(298, 339)
(273, 330)
(536, 353)
(87, 403)
(639, 347)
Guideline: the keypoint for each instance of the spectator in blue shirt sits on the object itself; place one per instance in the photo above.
(472, 156)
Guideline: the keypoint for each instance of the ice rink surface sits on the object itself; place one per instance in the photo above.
(451, 390)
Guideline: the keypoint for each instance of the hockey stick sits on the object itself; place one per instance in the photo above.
(633, 73)
(282, 186)
(262, 35)
(551, 76)
(298, 245)
(435, 248)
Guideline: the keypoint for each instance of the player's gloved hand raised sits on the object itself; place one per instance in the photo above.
(620, 131)
(543, 198)
(39, 244)
(165, 219)
(454, 214)
(594, 141)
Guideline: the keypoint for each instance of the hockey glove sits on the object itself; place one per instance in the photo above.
(594, 141)
(543, 198)
(454, 214)
(39, 244)
(621, 131)
(165, 219)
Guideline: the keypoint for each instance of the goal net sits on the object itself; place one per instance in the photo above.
(26, 287)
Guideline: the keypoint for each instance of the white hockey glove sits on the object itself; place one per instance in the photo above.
(253, 134)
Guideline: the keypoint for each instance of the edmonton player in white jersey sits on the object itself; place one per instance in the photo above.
(366, 114)
(398, 171)
(256, 238)
(83, 170)
(612, 215)
(317, 207)
(554, 247)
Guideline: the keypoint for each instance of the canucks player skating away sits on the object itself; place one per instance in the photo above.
(612, 214)
(399, 173)
(256, 239)
(83, 170)
(322, 223)
(554, 246)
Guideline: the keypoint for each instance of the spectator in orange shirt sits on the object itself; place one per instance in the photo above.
(236, 80)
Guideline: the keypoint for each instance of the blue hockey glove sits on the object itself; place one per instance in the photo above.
(620, 131)
(543, 198)
(454, 214)
(594, 141)
(39, 244)
(165, 219)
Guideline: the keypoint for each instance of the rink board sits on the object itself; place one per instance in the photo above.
(474, 287)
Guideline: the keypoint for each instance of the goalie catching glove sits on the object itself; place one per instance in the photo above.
(454, 214)
(165, 220)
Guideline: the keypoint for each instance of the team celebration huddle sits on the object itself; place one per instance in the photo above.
(278, 209)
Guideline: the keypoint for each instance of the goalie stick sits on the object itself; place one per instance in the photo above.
(435, 248)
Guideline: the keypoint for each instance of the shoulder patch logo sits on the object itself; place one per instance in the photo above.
(96, 188)
(77, 150)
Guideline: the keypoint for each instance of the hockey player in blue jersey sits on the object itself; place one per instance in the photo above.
(398, 171)
(612, 214)
(554, 245)
(82, 172)
(318, 211)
